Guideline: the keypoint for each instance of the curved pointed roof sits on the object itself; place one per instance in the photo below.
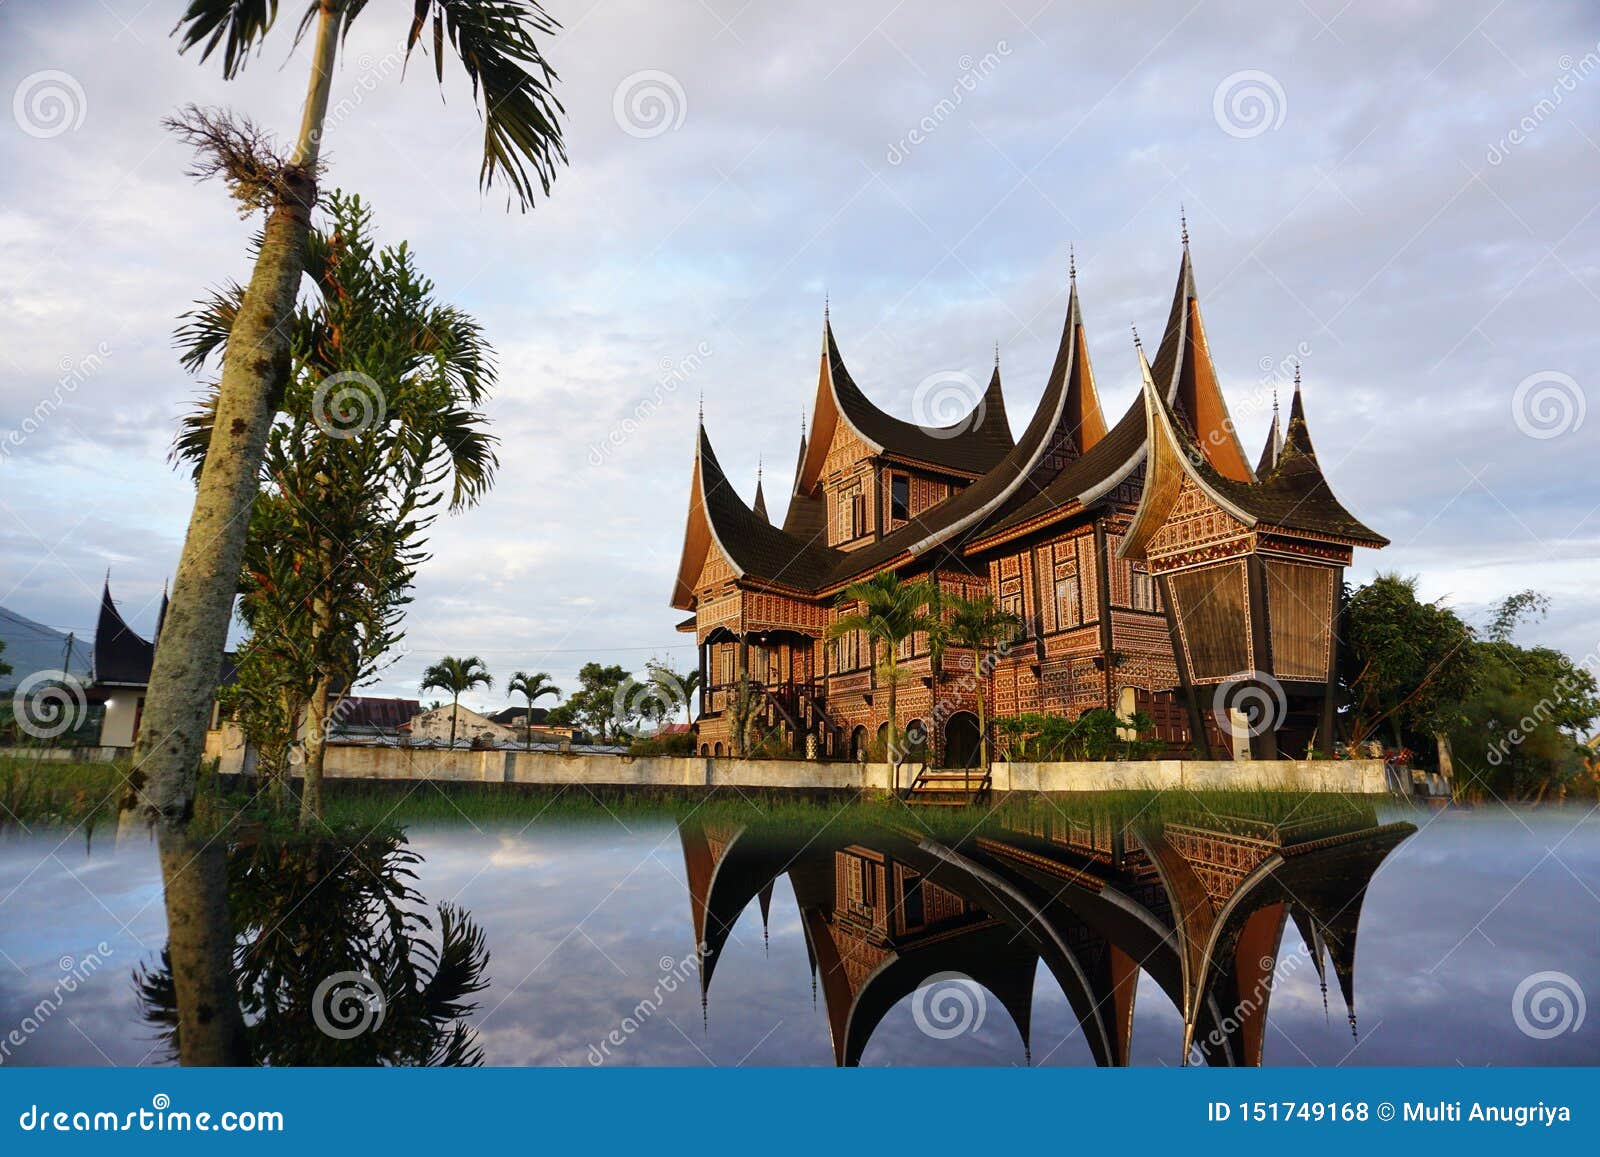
(120, 656)
(1067, 411)
(807, 516)
(973, 445)
(1274, 446)
(1191, 381)
(718, 518)
(1294, 496)
(1082, 417)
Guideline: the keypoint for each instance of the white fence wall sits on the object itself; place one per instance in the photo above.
(1364, 776)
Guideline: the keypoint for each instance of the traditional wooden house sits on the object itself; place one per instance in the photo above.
(1152, 567)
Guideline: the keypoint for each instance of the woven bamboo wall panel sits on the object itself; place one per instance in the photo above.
(1212, 609)
(1300, 603)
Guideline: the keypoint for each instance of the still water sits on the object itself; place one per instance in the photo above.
(1361, 937)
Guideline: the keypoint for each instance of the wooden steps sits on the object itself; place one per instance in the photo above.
(948, 787)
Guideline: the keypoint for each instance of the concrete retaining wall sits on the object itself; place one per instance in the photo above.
(546, 767)
(88, 754)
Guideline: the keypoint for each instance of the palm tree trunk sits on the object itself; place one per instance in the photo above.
(528, 725)
(983, 715)
(455, 710)
(891, 668)
(316, 747)
(254, 371)
(200, 945)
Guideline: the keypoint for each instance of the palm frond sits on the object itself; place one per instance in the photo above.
(512, 83)
(237, 26)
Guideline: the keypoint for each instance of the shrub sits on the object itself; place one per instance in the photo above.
(675, 743)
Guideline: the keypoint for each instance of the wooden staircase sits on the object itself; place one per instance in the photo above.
(957, 787)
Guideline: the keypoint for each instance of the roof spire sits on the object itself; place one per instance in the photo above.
(1072, 263)
(702, 405)
(1296, 384)
(1183, 222)
(1137, 344)
(824, 307)
(997, 353)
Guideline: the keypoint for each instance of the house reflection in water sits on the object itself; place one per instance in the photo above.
(1200, 905)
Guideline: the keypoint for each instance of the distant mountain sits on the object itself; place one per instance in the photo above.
(32, 646)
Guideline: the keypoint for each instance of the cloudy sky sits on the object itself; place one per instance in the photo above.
(1401, 195)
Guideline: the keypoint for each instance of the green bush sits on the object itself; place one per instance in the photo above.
(1095, 736)
(676, 743)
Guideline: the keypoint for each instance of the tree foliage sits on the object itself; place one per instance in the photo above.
(888, 611)
(307, 909)
(1520, 734)
(980, 626)
(379, 423)
(1405, 664)
(602, 704)
(1095, 736)
(532, 687)
(1513, 717)
(495, 41)
(457, 676)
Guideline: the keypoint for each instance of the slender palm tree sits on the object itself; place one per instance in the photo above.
(888, 611)
(455, 676)
(531, 687)
(691, 686)
(498, 45)
(671, 689)
(338, 529)
(979, 626)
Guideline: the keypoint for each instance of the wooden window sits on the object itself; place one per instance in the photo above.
(899, 497)
(848, 651)
(849, 515)
(1011, 602)
(1144, 590)
(727, 664)
(911, 907)
(1069, 610)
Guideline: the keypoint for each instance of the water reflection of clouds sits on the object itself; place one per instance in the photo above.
(67, 905)
(579, 919)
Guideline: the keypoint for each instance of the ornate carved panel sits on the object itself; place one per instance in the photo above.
(1194, 522)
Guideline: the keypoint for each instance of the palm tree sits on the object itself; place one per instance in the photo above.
(980, 626)
(337, 531)
(455, 676)
(497, 43)
(888, 612)
(531, 687)
(670, 687)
